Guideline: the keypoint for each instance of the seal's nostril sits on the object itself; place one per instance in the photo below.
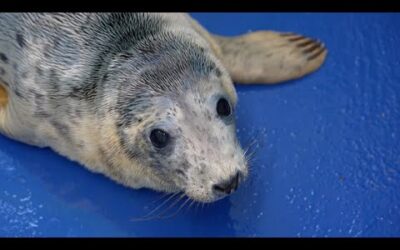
(220, 188)
(229, 186)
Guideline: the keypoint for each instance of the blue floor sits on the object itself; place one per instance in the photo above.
(327, 164)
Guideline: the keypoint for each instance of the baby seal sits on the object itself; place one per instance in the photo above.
(145, 99)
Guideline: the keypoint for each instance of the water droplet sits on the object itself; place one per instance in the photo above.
(25, 199)
(33, 224)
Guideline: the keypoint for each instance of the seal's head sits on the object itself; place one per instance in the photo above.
(176, 123)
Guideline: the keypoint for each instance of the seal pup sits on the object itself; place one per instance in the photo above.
(146, 99)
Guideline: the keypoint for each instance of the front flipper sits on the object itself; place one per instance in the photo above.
(269, 57)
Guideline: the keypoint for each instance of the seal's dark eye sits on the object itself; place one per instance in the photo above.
(159, 138)
(223, 107)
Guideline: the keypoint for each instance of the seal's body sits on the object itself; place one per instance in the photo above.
(146, 99)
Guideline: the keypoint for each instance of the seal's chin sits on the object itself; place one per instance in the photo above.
(205, 197)
(209, 199)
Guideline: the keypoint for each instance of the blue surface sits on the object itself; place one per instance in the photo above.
(327, 164)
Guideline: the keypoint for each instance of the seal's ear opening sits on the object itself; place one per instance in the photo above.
(269, 57)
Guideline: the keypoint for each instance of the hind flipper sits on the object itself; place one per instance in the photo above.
(269, 57)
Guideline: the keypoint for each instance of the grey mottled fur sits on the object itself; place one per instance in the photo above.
(92, 86)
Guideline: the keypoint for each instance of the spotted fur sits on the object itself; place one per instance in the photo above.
(92, 86)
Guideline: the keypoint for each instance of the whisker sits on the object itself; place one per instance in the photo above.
(253, 141)
(160, 198)
(255, 144)
(190, 205)
(250, 156)
(179, 209)
(155, 209)
(170, 206)
(196, 207)
(162, 204)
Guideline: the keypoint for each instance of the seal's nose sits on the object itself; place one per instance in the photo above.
(229, 186)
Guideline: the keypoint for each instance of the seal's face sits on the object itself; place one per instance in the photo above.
(176, 120)
(190, 142)
(212, 163)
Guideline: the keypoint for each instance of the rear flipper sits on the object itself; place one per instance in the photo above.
(269, 57)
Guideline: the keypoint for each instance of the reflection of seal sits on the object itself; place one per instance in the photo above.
(146, 99)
